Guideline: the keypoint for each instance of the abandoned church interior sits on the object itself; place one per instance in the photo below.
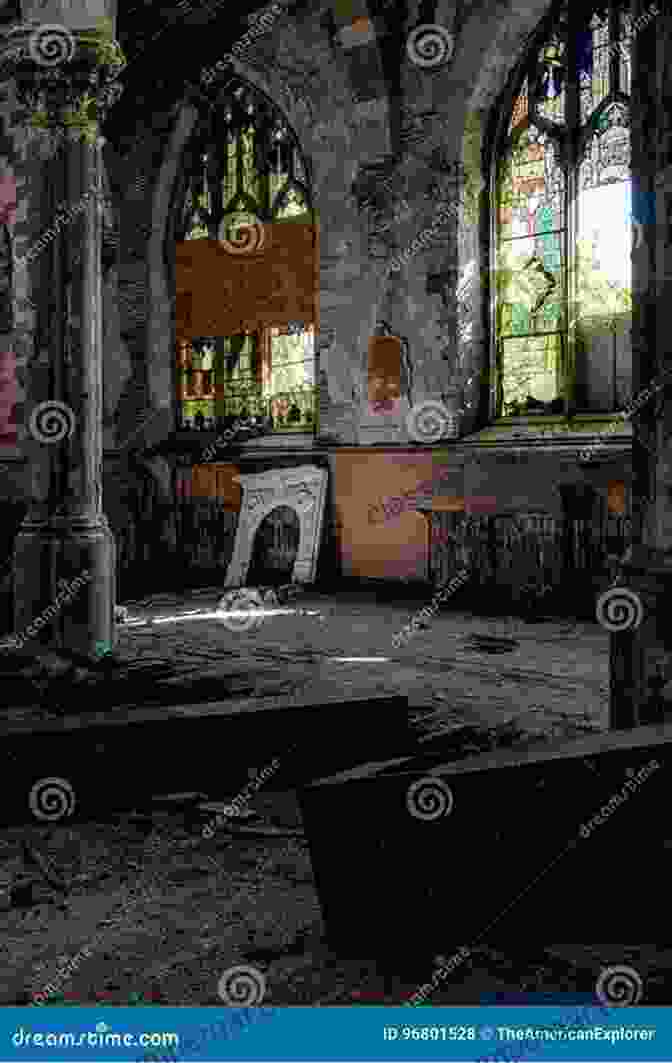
(334, 378)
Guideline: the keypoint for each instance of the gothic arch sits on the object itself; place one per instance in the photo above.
(500, 39)
(161, 262)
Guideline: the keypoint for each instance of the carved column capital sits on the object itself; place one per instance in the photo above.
(66, 80)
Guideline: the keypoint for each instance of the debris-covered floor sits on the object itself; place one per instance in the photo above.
(247, 895)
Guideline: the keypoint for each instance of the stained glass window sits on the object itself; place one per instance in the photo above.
(244, 165)
(551, 167)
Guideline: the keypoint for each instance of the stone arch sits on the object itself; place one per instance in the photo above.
(500, 38)
(161, 328)
(302, 490)
(263, 556)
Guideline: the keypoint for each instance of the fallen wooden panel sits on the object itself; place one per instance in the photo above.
(118, 760)
(509, 848)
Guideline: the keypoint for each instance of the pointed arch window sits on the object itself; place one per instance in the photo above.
(244, 165)
(562, 222)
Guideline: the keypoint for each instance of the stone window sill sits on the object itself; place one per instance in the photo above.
(582, 430)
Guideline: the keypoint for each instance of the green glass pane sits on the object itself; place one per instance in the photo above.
(250, 176)
(520, 319)
(531, 290)
(531, 367)
(295, 204)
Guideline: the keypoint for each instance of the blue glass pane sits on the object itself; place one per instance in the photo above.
(584, 48)
(640, 204)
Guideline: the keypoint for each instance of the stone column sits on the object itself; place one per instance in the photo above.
(635, 611)
(64, 563)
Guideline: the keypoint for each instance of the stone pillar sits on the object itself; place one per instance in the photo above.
(635, 610)
(64, 562)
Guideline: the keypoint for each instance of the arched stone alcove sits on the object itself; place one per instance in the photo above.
(275, 547)
(302, 490)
